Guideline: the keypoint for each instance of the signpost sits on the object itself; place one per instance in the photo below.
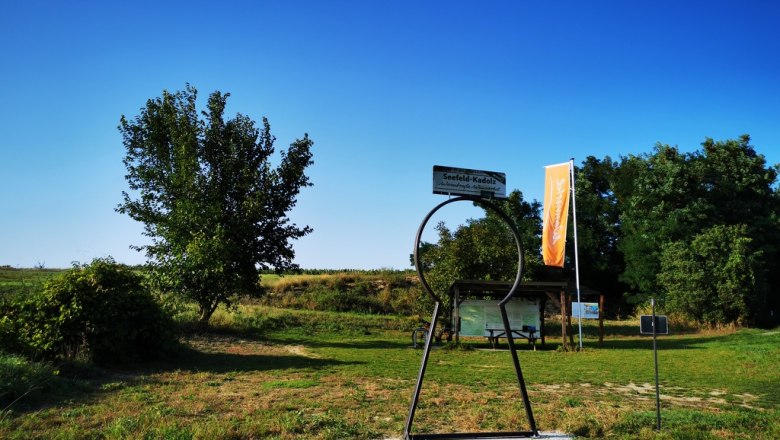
(466, 182)
(654, 325)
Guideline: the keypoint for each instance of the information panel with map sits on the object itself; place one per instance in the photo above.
(477, 317)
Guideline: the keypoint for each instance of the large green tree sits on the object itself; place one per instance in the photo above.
(674, 200)
(210, 200)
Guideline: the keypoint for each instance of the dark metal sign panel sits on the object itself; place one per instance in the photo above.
(646, 325)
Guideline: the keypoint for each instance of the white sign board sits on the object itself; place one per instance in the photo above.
(478, 317)
(588, 310)
(465, 182)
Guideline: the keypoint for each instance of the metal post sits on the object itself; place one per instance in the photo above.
(421, 374)
(523, 391)
(576, 255)
(601, 320)
(655, 356)
(456, 316)
(564, 300)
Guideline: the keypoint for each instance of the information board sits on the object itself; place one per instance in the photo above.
(477, 316)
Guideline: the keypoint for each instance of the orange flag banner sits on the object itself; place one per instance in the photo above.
(556, 213)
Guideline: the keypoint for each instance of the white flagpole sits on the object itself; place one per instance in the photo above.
(576, 256)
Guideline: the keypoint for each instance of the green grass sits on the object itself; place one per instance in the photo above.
(24, 280)
(282, 374)
(274, 280)
(20, 378)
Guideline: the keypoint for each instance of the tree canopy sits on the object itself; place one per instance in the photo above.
(670, 209)
(210, 200)
(715, 277)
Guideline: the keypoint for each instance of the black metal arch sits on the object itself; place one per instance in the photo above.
(434, 319)
(485, 204)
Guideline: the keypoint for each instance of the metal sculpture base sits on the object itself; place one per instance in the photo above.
(477, 435)
(471, 435)
(508, 332)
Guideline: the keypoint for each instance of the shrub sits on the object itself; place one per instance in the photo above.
(99, 312)
(353, 300)
(8, 333)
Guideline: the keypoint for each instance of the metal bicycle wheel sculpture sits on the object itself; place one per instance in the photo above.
(434, 320)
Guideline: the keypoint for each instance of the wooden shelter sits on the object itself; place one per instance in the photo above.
(560, 293)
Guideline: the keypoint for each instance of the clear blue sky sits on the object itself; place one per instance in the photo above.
(385, 89)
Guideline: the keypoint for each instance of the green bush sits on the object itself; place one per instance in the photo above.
(8, 334)
(353, 300)
(99, 312)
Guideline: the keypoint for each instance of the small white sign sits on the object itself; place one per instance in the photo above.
(465, 182)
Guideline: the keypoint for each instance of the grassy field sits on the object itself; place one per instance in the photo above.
(24, 280)
(269, 373)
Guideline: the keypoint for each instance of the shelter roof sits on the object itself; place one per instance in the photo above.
(495, 289)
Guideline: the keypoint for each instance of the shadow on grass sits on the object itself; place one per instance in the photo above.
(198, 361)
(520, 346)
(76, 384)
(663, 343)
(351, 345)
(590, 328)
(311, 339)
(614, 344)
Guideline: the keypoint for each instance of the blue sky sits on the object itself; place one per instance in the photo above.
(385, 89)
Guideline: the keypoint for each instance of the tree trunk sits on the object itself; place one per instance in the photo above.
(206, 310)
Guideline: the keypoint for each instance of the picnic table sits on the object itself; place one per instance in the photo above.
(494, 333)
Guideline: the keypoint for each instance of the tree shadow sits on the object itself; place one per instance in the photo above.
(662, 342)
(79, 384)
(590, 328)
(520, 346)
(198, 361)
(356, 345)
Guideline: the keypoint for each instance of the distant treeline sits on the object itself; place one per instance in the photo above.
(337, 271)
